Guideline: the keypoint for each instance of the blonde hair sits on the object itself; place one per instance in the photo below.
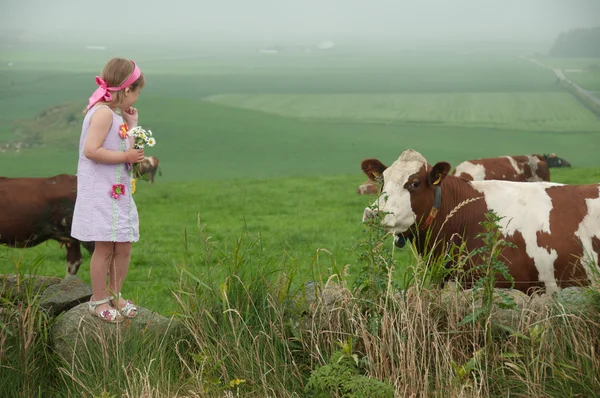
(115, 72)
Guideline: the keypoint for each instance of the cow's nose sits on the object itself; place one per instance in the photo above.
(369, 213)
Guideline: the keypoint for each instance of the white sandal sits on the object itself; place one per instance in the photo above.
(129, 310)
(110, 316)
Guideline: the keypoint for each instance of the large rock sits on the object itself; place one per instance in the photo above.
(326, 297)
(577, 300)
(20, 286)
(65, 295)
(78, 333)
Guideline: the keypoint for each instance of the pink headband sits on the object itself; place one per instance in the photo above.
(103, 92)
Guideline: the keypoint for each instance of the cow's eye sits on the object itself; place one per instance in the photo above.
(414, 184)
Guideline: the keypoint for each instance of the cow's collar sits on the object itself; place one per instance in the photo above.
(437, 201)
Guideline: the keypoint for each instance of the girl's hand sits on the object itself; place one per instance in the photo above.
(130, 115)
(134, 155)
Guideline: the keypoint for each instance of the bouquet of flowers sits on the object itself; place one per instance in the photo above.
(141, 139)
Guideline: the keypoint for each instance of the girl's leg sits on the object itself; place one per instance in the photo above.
(121, 267)
(99, 269)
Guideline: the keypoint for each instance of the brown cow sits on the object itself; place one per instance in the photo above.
(34, 210)
(147, 168)
(370, 167)
(510, 168)
(555, 228)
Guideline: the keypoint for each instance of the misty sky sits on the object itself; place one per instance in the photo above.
(281, 19)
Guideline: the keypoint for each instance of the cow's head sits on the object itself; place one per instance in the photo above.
(407, 198)
(555, 161)
(74, 258)
(373, 169)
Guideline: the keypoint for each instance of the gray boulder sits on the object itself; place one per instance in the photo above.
(65, 295)
(577, 300)
(20, 286)
(78, 333)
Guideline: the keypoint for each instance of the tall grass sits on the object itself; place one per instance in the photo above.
(24, 337)
(119, 361)
(415, 340)
(261, 333)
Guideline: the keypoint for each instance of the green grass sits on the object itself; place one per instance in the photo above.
(295, 217)
(252, 205)
(220, 142)
(519, 111)
(583, 71)
(289, 178)
(37, 81)
(588, 80)
(570, 63)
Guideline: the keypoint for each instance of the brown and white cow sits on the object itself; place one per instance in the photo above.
(34, 210)
(555, 228)
(508, 168)
(370, 167)
(147, 168)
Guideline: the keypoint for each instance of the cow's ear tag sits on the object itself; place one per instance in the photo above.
(376, 174)
(436, 182)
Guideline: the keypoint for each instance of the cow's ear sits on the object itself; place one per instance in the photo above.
(438, 173)
(373, 168)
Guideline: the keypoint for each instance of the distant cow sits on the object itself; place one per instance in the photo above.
(147, 168)
(555, 227)
(370, 167)
(34, 210)
(555, 161)
(509, 168)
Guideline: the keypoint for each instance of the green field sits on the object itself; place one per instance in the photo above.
(270, 146)
(557, 111)
(583, 71)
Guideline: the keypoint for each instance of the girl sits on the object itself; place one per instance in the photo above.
(105, 212)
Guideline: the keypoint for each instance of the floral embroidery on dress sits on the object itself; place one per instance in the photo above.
(123, 129)
(117, 191)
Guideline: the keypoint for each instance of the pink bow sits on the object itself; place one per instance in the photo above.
(102, 93)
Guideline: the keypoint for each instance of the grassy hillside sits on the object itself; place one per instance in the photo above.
(583, 71)
(517, 111)
(200, 140)
(269, 145)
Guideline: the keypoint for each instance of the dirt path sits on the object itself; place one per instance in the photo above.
(561, 76)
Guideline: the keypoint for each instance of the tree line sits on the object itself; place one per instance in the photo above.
(577, 43)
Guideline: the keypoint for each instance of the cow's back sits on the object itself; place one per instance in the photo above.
(555, 229)
(509, 168)
(36, 206)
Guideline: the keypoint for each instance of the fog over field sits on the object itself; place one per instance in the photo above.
(281, 20)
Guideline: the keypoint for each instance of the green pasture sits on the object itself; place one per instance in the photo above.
(557, 111)
(41, 78)
(590, 80)
(583, 71)
(198, 140)
(268, 147)
(570, 63)
(292, 217)
(311, 226)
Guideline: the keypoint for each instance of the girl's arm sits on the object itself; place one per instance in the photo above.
(100, 124)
